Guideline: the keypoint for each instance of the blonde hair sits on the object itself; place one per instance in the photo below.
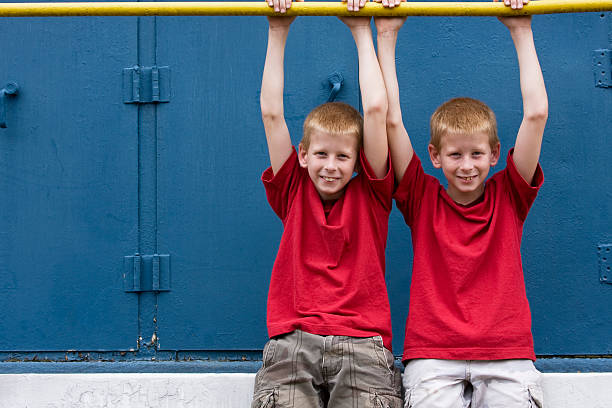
(334, 118)
(463, 115)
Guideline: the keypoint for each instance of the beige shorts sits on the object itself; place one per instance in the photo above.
(307, 370)
(431, 383)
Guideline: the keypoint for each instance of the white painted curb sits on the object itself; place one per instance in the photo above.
(592, 390)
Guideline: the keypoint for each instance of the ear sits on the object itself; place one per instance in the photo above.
(434, 155)
(495, 154)
(302, 156)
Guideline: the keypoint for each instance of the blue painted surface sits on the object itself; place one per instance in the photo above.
(86, 179)
(214, 219)
(68, 185)
(552, 365)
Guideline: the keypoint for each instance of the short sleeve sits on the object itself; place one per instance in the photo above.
(411, 190)
(382, 188)
(281, 187)
(522, 193)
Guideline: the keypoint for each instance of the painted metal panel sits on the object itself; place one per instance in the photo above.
(445, 57)
(68, 185)
(214, 219)
(69, 173)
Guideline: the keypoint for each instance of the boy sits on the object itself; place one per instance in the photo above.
(468, 336)
(328, 312)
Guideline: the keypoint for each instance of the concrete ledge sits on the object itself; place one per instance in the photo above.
(137, 390)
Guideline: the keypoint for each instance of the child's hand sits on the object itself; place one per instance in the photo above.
(281, 6)
(356, 22)
(280, 22)
(518, 21)
(388, 24)
(354, 5)
(389, 3)
(515, 4)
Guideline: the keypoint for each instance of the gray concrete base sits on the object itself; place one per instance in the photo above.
(592, 390)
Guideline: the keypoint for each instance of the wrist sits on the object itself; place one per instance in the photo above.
(280, 29)
(520, 30)
(386, 33)
(362, 29)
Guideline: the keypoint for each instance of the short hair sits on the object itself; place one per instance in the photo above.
(334, 118)
(463, 115)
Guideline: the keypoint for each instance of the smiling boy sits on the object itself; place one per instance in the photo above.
(468, 336)
(328, 313)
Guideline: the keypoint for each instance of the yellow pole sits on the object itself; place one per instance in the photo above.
(260, 8)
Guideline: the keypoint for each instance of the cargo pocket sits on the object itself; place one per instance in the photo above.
(383, 399)
(269, 352)
(536, 396)
(385, 358)
(265, 398)
(408, 399)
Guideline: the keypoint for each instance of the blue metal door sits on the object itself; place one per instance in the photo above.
(440, 58)
(214, 219)
(68, 185)
(86, 179)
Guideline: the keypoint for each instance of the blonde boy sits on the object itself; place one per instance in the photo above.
(328, 313)
(468, 336)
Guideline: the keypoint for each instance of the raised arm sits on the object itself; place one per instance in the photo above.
(401, 149)
(373, 96)
(535, 101)
(271, 99)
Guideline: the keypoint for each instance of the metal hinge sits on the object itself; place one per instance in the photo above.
(146, 84)
(605, 261)
(146, 273)
(602, 68)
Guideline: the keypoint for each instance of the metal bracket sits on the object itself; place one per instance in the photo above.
(146, 84)
(146, 273)
(335, 79)
(602, 68)
(10, 89)
(605, 261)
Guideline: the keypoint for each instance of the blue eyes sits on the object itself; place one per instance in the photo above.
(323, 154)
(456, 155)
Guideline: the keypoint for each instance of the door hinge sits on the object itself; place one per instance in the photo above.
(605, 261)
(146, 273)
(146, 84)
(602, 68)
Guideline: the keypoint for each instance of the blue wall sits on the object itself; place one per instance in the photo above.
(86, 179)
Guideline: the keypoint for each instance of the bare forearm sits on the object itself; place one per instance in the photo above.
(399, 142)
(533, 90)
(535, 104)
(374, 101)
(272, 82)
(271, 99)
(373, 94)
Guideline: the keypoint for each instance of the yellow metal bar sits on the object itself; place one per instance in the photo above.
(260, 8)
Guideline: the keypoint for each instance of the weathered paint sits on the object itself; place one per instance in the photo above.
(139, 390)
(224, 363)
(86, 179)
(297, 9)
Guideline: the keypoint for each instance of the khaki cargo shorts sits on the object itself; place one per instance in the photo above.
(307, 370)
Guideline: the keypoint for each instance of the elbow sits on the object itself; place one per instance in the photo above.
(394, 121)
(376, 107)
(537, 113)
(270, 113)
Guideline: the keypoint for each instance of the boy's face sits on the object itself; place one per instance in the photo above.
(465, 160)
(330, 160)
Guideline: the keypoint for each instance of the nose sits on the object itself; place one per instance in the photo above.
(330, 164)
(466, 164)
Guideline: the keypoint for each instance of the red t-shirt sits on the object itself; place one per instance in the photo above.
(467, 297)
(329, 273)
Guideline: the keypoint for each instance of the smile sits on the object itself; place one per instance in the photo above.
(467, 178)
(328, 179)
